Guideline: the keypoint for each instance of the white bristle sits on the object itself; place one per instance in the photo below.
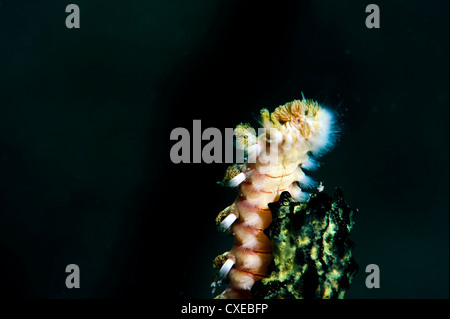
(307, 182)
(310, 164)
(253, 153)
(246, 281)
(298, 195)
(250, 242)
(227, 222)
(302, 197)
(275, 136)
(287, 145)
(252, 220)
(235, 181)
(322, 139)
(225, 269)
(251, 261)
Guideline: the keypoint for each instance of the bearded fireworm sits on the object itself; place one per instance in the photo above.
(290, 139)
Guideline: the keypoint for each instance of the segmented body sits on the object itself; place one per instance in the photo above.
(275, 160)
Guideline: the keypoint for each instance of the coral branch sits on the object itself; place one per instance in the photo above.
(312, 251)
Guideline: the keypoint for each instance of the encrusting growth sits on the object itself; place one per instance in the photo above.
(312, 249)
(275, 158)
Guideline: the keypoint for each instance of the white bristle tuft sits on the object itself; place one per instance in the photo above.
(253, 153)
(235, 181)
(322, 139)
(225, 269)
(227, 222)
(276, 136)
(287, 145)
(252, 220)
(310, 164)
(302, 197)
(251, 261)
(246, 281)
(250, 242)
(307, 182)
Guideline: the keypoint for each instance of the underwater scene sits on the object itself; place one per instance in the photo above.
(200, 150)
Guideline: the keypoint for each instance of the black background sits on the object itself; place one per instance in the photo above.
(86, 115)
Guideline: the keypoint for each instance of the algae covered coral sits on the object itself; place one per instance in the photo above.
(312, 251)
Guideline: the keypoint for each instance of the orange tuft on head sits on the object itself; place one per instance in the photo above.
(300, 114)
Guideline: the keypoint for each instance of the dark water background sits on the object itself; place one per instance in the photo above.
(85, 119)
